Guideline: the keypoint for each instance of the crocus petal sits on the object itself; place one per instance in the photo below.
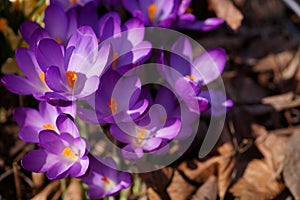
(122, 135)
(79, 168)
(109, 25)
(132, 153)
(65, 124)
(51, 142)
(151, 144)
(169, 132)
(19, 85)
(54, 80)
(27, 117)
(210, 65)
(86, 48)
(88, 115)
(90, 86)
(134, 30)
(56, 99)
(29, 134)
(206, 25)
(130, 5)
(58, 169)
(27, 28)
(38, 161)
(28, 64)
(49, 53)
(56, 21)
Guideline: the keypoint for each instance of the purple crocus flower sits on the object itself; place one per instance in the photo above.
(62, 153)
(34, 80)
(128, 45)
(169, 14)
(33, 121)
(146, 134)
(193, 73)
(104, 180)
(74, 73)
(116, 99)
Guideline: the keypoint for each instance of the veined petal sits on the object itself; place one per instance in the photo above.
(65, 124)
(49, 53)
(19, 85)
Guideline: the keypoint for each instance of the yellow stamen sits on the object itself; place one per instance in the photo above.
(71, 78)
(42, 77)
(58, 40)
(3, 23)
(105, 180)
(140, 133)
(69, 153)
(115, 58)
(73, 1)
(49, 126)
(189, 10)
(112, 104)
(151, 12)
(190, 77)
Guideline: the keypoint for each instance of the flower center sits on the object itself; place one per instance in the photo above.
(151, 12)
(112, 104)
(71, 78)
(115, 58)
(105, 180)
(70, 154)
(140, 133)
(190, 77)
(58, 40)
(189, 10)
(49, 126)
(73, 1)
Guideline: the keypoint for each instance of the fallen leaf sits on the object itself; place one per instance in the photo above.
(291, 168)
(225, 168)
(180, 189)
(51, 188)
(74, 190)
(226, 10)
(208, 191)
(258, 182)
(201, 171)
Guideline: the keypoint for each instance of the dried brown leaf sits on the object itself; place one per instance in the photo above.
(226, 10)
(208, 191)
(291, 168)
(272, 147)
(274, 62)
(258, 182)
(51, 188)
(180, 189)
(74, 190)
(201, 171)
(225, 168)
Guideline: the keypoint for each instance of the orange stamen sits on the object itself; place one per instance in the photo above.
(105, 180)
(190, 77)
(58, 40)
(112, 104)
(49, 127)
(189, 10)
(73, 1)
(71, 78)
(115, 58)
(140, 133)
(151, 12)
(42, 77)
(69, 153)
